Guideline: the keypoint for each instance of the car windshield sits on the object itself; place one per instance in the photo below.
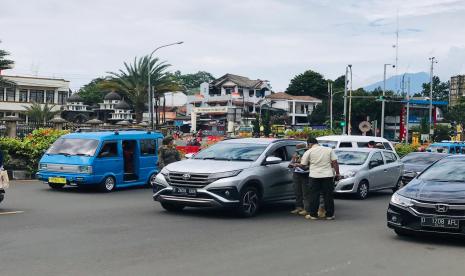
(446, 170)
(351, 157)
(421, 159)
(232, 152)
(67, 146)
(327, 143)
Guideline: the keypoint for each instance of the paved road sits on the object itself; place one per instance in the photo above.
(125, 233)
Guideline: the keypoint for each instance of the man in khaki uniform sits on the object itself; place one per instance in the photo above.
(323, 164)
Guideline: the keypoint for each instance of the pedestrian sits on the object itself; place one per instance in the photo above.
(168, 153)
(323, 163)
(300, 177)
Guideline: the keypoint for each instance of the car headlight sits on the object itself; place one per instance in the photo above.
(401, 201)
(349, 174)
(42, 166)
(165, 172)
(85, 169)
(216, 176)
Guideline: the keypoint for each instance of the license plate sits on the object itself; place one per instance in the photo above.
(57, 180)
(440, 222)
(184, 191)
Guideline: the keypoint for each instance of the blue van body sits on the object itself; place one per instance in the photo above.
(449, 147)
(96, 166)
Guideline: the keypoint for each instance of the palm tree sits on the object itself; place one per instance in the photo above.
(132, 81)
(40, 113)
(5, 63)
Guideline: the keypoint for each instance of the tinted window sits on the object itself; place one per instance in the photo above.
(447, 170)
(387, 146)
(67, 146)
(280, 153)
(377, 158)
(362, 144)
(390, 157)
(345, 145)
(292, 149)
(147, 147)
(232, 151)
(421, 159)
(109, 149)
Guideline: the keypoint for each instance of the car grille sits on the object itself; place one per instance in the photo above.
(62, 168)
(196, 180)
(428, 208)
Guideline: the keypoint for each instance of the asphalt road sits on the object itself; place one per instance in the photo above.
(75, 232)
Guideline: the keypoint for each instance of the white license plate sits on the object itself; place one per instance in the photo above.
(440, 222)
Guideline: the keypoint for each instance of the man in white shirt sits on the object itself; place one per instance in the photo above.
(323, 164)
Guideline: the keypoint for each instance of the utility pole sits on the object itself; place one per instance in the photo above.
(349, 125)
(345, 102)
(431, 128)
(330, 94)
(408, 111)
(383, 102)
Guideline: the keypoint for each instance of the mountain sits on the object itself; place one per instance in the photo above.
(416, 80)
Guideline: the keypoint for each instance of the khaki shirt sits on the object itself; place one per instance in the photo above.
(319, 159)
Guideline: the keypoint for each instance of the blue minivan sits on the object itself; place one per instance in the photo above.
(106, 159)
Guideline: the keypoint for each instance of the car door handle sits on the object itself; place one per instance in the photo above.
(385, 170)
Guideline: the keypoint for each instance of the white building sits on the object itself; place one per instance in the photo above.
(231, 91)
(75, 103)
(17, 92)
(297, 107)
(122, 112)
(110, 100)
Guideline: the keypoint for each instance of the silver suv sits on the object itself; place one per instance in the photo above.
(238, 173)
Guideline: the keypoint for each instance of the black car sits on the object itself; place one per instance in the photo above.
(416, 162)
(433, 202)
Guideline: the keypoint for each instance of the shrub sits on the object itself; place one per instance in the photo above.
(404, 149)
(307, 132)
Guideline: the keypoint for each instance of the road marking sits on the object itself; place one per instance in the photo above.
(11, 212)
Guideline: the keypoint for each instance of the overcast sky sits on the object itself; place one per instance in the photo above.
(265, 39)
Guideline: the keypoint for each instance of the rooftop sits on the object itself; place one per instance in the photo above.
(239, 80)
(285, 96)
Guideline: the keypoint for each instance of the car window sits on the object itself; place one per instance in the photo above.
(378, 159)
(291, 149)
(109, 149)
(345, 145)
(390, 157)
(387, 146)
(147, 147)
(362, 144)
(280, 153)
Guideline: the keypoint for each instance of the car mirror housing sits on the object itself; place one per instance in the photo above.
(189, 155)
(270, 160)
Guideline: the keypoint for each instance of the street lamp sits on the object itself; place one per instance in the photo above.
(345, 99)
(433, 61)
(149, 71)
(383, 102)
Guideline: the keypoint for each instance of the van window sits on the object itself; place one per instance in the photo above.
(345, 145)
(109, 149)
(362, 144)
(387, 146)
(147, 147)
(390, 157)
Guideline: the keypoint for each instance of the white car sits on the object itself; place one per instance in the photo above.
(353, 141)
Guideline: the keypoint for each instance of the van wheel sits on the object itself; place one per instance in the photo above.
(170, 207)
(250, 202)
(108, 184)
(56, 186)
(363, 189)
(399, 185)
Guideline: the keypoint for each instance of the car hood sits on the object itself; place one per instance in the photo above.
(414, 167)
(446, 192)
(347, 168)
(207, 166)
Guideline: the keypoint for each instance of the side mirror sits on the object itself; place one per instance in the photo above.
(270, 160)
(189, 155)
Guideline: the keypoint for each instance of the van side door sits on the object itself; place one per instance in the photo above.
(109, 159)
(147, 157)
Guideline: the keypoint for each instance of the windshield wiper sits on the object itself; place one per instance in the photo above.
(241, 159)
(216, 158)
(82, 154)
(64, 153)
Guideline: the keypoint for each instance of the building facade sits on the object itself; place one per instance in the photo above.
(298, 108)
(457, 88)
(18, 92)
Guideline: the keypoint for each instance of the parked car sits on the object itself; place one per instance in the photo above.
(416, 162)
(433, 202)
(366, 170)
(105, 159)
(238, 173)
(353, 141)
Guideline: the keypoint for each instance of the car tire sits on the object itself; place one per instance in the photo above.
(363, 189)
(151, 181)
(56, 186)
(171, 207)
(249, 202)
(108, 184)
(402, 233)
(399, 185)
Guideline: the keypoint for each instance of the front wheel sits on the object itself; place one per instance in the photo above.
(250, 202)
(108, 184)
(171, 207)
(363, 189)
(56, 186)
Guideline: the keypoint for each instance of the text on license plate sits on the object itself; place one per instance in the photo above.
(57, 180)
(184, 191)
(440, 222)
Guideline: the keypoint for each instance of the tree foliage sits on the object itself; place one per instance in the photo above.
(40, 113)
(192, 81)
(93, 92)
(4, 62)
(309, 83)
(457, 112)
(440, 89)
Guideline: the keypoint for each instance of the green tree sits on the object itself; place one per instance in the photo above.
(132, 82)
(256, 125)
(457, 112)
(440, 89)
(309, 83)
(4, 62)
(441, 132)
(92, 93)
(40, 113)
(266, 122)
(192, 81)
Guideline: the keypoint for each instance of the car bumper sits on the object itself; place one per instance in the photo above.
(71, 179)
(345, 186)
(407, 220)
(203, 198)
